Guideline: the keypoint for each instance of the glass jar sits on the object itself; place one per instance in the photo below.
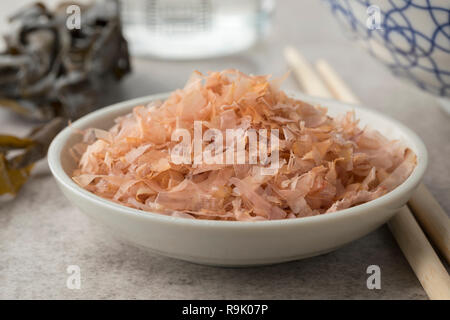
(193, 29)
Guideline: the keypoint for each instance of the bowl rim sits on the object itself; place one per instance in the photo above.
(56, 147)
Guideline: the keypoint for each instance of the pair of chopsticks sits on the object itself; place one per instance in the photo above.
(425, 263)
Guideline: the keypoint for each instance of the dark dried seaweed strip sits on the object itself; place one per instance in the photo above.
(42, 137)
(14, 171)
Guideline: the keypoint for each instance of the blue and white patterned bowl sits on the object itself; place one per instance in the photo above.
(412, 37)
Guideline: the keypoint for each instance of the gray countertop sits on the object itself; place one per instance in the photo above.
(41, 233)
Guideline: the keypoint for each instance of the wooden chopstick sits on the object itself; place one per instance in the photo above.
(411, 239)
(425, 207)
(334, 83)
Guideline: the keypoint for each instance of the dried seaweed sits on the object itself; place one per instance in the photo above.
(52, 74)
(15, 169)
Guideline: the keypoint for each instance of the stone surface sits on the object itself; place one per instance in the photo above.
(41, 233)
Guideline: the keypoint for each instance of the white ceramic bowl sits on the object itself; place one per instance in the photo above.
(231, 243)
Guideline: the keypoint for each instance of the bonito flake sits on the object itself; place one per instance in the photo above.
(324, 164)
